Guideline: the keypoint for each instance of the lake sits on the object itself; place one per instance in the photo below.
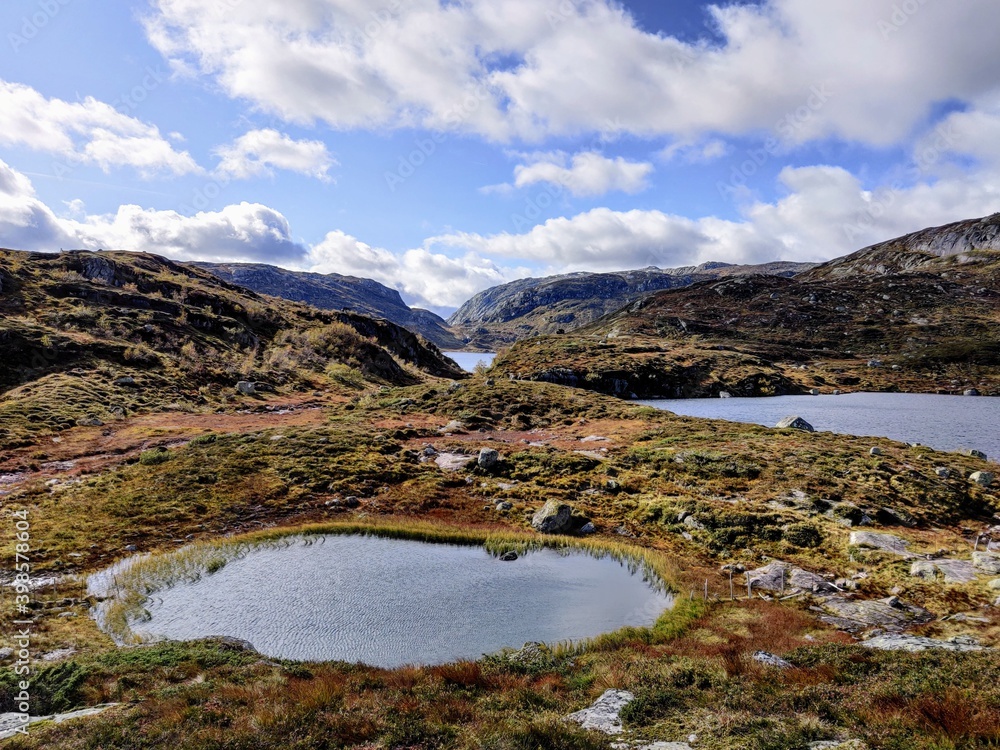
(468, 360)
(389, 602)
(946, 423)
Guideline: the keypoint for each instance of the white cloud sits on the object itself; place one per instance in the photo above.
(695, 152)
(586, 174)
(256, 152)
(532, 68)
(87, 132)
(427, 279)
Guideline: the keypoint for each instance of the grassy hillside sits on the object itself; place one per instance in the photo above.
(931, 324)
(92, 337)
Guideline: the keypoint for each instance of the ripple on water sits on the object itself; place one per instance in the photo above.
(391, 602)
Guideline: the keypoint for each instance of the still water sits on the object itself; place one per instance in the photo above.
(468, 360)
(942, 422)
(389, 602)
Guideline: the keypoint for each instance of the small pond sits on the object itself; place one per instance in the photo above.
(468, 360)
(388, 602)
(945, 423)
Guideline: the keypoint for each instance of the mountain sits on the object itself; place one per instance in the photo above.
(920, 313)
(90, 337)
(335, 292)
(530, 307)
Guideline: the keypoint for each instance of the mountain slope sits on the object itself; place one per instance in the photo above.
(894, 316)
(93, 336)
(530, 307)
(335, 292)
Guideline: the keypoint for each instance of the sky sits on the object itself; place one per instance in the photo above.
(442, 147)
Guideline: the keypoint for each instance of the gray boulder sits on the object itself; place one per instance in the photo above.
(889, 614)
(781, 576)
(454, 426)
(488, 459)
(603, 715)
(876, 451)
(913, 643)
(982, 478)
(954, 571)
(974, 453)
(795, 423)
(986, 562)
(126, 381)
(771, 660)
(882, 542)
(971, 392)
(943, 471)
(504, 505)
(246, 388)
(553, 518)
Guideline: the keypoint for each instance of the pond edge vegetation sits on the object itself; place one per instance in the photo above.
(123, 589)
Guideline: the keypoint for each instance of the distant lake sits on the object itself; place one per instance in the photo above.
(388, 602)
(946, 423)
(468, 360)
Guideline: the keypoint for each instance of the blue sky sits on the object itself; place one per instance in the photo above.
(444, 147)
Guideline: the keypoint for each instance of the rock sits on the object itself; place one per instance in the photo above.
(553, 518)
(693, 523)
(994, 584)
(454, 426)
(12, 724)
(986, 562)
(603, 715)
(508, 556)
(452, 461)
(913, 643)
(6, 653)
(882, 542)
(504, 506)
(874, 363)
(488, 459)
(725, 394)
(126, 381)
(814, 391)
(974, 453)
(838, 745)
(982, 478)
(594, 439)
(889, 614)
(351, 501)
(588, 528)
(954, 571)
(90, 422)
(771, 660)
(971, 392)
(653, 746)
(795, 423)
(781, 576)
(943, 472)
(246, 388)
(876, 451)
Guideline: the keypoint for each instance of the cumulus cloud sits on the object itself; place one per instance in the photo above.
(87, 132)
(426, 278)
(533, 68)
(586, 174)
(258, 151)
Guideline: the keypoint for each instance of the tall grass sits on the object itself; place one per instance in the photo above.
(126, 587)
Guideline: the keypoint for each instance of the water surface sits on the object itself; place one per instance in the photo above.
(389, 602)
(468, 360)
(945, 423)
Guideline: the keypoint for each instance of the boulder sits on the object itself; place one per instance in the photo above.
(588, 528)
(994, 584)
(510, 556)
(90, 422)
(913, 643)
(982, 478)
(488, 459)
(452, 461)
(246, 388)
(876, 451)
(954, 571)
(126, 381)
(974, 453)
(594, 439)
(986, 562)
(889, 614)
(781, 576)
(883, 542)
(504, 506)
(553, 518)
(971, 392)
(771, 660)
(454, 426)
(943, 472)
(603, 714)
(795, 423)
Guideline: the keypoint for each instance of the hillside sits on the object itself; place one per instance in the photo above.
(91, 337)
(335, 292)
(532, 307)
(893, 316)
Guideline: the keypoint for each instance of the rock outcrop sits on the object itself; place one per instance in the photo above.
(603, 714)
